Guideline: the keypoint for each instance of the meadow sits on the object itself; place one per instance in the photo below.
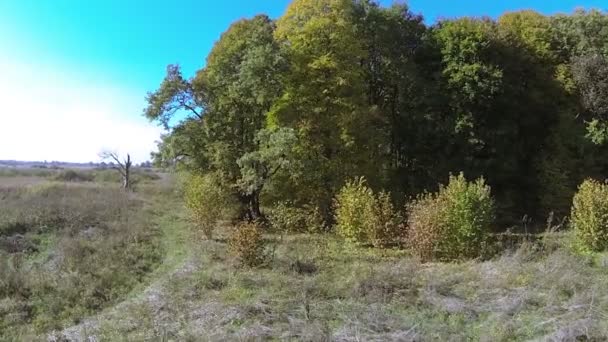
(86, 260)
(70, 245)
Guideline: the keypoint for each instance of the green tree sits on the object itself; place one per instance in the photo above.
(275, 153)
(174, 94)
(240, 83)
(227, 102)
(406, 130)
(502, 91)
(591, 76)
(579, 34)
(323, 98)
(182, 147)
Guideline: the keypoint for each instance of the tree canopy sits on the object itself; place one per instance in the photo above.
(290, 109)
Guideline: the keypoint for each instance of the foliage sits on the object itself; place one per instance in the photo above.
(364, 218)
(286, 217)
(591, 76)
(288, 110)
(247, 244)
(73, 176)
(589, 216)
(453, 223)
(274, 154)
(209, 202)
(174, 94)
(389, 229)
(323, 98)
(355, 211)
(227, 100)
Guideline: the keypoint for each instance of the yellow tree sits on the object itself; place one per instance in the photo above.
(323, 98)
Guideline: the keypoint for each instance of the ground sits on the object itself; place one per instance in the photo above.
(319, 288)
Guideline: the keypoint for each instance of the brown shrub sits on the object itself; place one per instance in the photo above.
(453, 223)
(247, 244)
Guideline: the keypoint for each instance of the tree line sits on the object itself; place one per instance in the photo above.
(289, 110)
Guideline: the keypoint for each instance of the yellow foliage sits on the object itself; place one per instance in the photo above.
(208, 201)
(247, 244)
(589, 215)
(453, 223)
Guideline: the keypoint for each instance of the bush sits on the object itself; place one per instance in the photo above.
(247, 245)
(589, 215)
(388, 230)
(73, 176)
(355, 213)
(364, 218)
(452, 223)
(286, 217)
(209, 202)
(107, 176)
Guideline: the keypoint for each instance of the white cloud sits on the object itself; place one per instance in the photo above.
(50, 115)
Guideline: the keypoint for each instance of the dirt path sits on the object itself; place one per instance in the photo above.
(178, 261)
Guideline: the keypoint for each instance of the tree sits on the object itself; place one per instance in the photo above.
(122, 166)
(241, 84)
(174, 94)
(275, 153)
(400, 94)
(227, 102)
(184, 147)
(338, 89)
(503, 102)
(323, 98)
(591, 76)
(579, 34)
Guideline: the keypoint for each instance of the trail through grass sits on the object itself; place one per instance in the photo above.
(176, 243)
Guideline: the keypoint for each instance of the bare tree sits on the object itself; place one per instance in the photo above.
(123, 166)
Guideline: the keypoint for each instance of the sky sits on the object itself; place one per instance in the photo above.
(74, 73)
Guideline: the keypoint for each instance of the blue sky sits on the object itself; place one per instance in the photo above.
(74, 73)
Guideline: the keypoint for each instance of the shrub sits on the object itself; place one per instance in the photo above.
(209, 202)
(247, 245)
(286, 217)
(355, 211)
(589, 215)
(452, 223)
(107, 176)
(388, 229)
(364, 218)
(144, 175)
(73, 176)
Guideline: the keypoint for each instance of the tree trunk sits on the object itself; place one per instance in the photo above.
(251, 208)
(125, 181)
(254, 206)
(126, 176)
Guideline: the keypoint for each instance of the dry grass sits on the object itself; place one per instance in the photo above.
(317, 289)
(314, 288)
(69, 250)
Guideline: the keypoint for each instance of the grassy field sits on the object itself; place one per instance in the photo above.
(83, 260)
(317, 288)
(69, 249)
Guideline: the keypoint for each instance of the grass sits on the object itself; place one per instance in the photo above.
(27, 172)
(69, 250)
(313, 287)
(319, 288)
(140, 175)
